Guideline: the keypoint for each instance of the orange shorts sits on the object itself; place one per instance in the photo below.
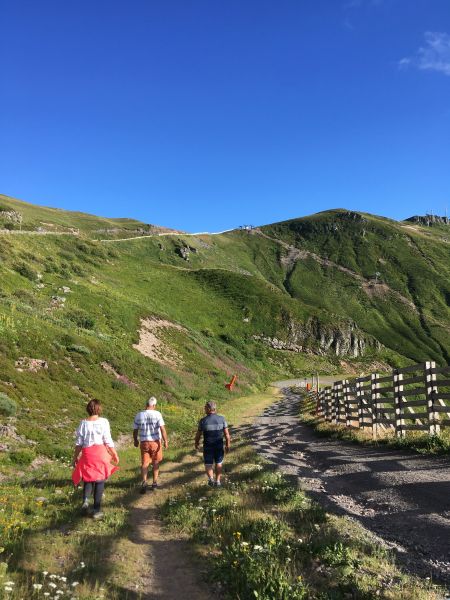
(151, 451)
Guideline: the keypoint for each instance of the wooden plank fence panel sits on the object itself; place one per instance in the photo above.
(391, 400)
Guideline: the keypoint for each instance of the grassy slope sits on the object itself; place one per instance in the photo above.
(413, 263)
(60, 220)
(233, 287)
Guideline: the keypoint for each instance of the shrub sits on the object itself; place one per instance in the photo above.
(22, 456)
(79, 349)
(81, 319)
(8, 406)
(25, 270)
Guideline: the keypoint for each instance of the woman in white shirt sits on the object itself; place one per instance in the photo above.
(94, 450)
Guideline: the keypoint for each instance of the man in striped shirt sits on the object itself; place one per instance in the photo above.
(148, 429)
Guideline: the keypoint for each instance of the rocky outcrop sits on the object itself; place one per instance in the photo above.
(185, 251)
(314, 337)
(429, 220)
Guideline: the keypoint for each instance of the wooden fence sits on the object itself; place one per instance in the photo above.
(415, 398)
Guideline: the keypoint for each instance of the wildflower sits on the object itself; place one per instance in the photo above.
(258, 548)
(75, 583)
(44, 573)
(82, 565)
(8, 589)
(237, 534)
(244, 543)
(9, 582)
(52, 585)
(46, 593)
(37, 586)
(63, 579)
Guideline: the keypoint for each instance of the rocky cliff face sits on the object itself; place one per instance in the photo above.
(314, 337)
(429, 220)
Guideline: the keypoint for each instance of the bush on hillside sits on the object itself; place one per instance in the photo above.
(25, 270)
(81, 319)
(78, 349)
(8, 406)
(22, 456)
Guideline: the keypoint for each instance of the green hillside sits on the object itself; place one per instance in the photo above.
(85, 313)
(320, 293)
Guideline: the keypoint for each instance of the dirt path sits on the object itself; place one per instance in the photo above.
(402, 497)
(159, 564)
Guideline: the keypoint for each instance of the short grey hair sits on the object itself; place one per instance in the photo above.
(151, 401)
(211, 405)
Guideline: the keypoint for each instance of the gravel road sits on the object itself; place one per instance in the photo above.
(402, 497)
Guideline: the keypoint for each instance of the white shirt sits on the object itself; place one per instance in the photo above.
(148, 422)
(94, 433)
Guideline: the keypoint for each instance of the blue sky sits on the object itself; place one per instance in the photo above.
(206, 114)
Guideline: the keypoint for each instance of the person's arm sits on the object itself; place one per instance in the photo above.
(79, 438)
(198, 435)
(135, 438)
(164, 436)
(108, 441)
(76, 454)
(227, 439)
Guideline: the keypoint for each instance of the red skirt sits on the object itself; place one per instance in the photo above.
(93, 465)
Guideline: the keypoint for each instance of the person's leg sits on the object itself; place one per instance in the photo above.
(218, 473)
(218, 459)
(156, 459)
(208, 456)
(155, 465)
(145, 462)
(87, 491)
(99, 488)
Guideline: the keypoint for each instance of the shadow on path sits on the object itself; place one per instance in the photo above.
(402, 497)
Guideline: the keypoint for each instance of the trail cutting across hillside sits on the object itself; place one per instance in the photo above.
(402, 497)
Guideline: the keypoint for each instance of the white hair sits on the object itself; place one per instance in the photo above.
(151, 401)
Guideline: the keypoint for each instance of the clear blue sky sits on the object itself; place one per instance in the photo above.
(207, 114)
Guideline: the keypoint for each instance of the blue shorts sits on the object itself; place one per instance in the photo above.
(213, 454)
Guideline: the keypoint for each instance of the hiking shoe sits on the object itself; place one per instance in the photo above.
(97, 515)
(211, 482)
(155, 485)
(143, 487)
(218, 484)
(85, 507)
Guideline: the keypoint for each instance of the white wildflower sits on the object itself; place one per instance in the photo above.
(75, 583)
(52, 585)
(244, 543)
(37, 586)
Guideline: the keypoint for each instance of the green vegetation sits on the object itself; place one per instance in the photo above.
(327, 293)
(7, 406)
(263, 538)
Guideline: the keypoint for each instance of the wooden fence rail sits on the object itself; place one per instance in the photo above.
(415, 398)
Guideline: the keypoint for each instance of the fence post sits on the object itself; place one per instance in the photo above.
(359, 397)
(374, 396)
(398, 404)
(348, 416)
(328, 403)
(431, 391)
(335, 397)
